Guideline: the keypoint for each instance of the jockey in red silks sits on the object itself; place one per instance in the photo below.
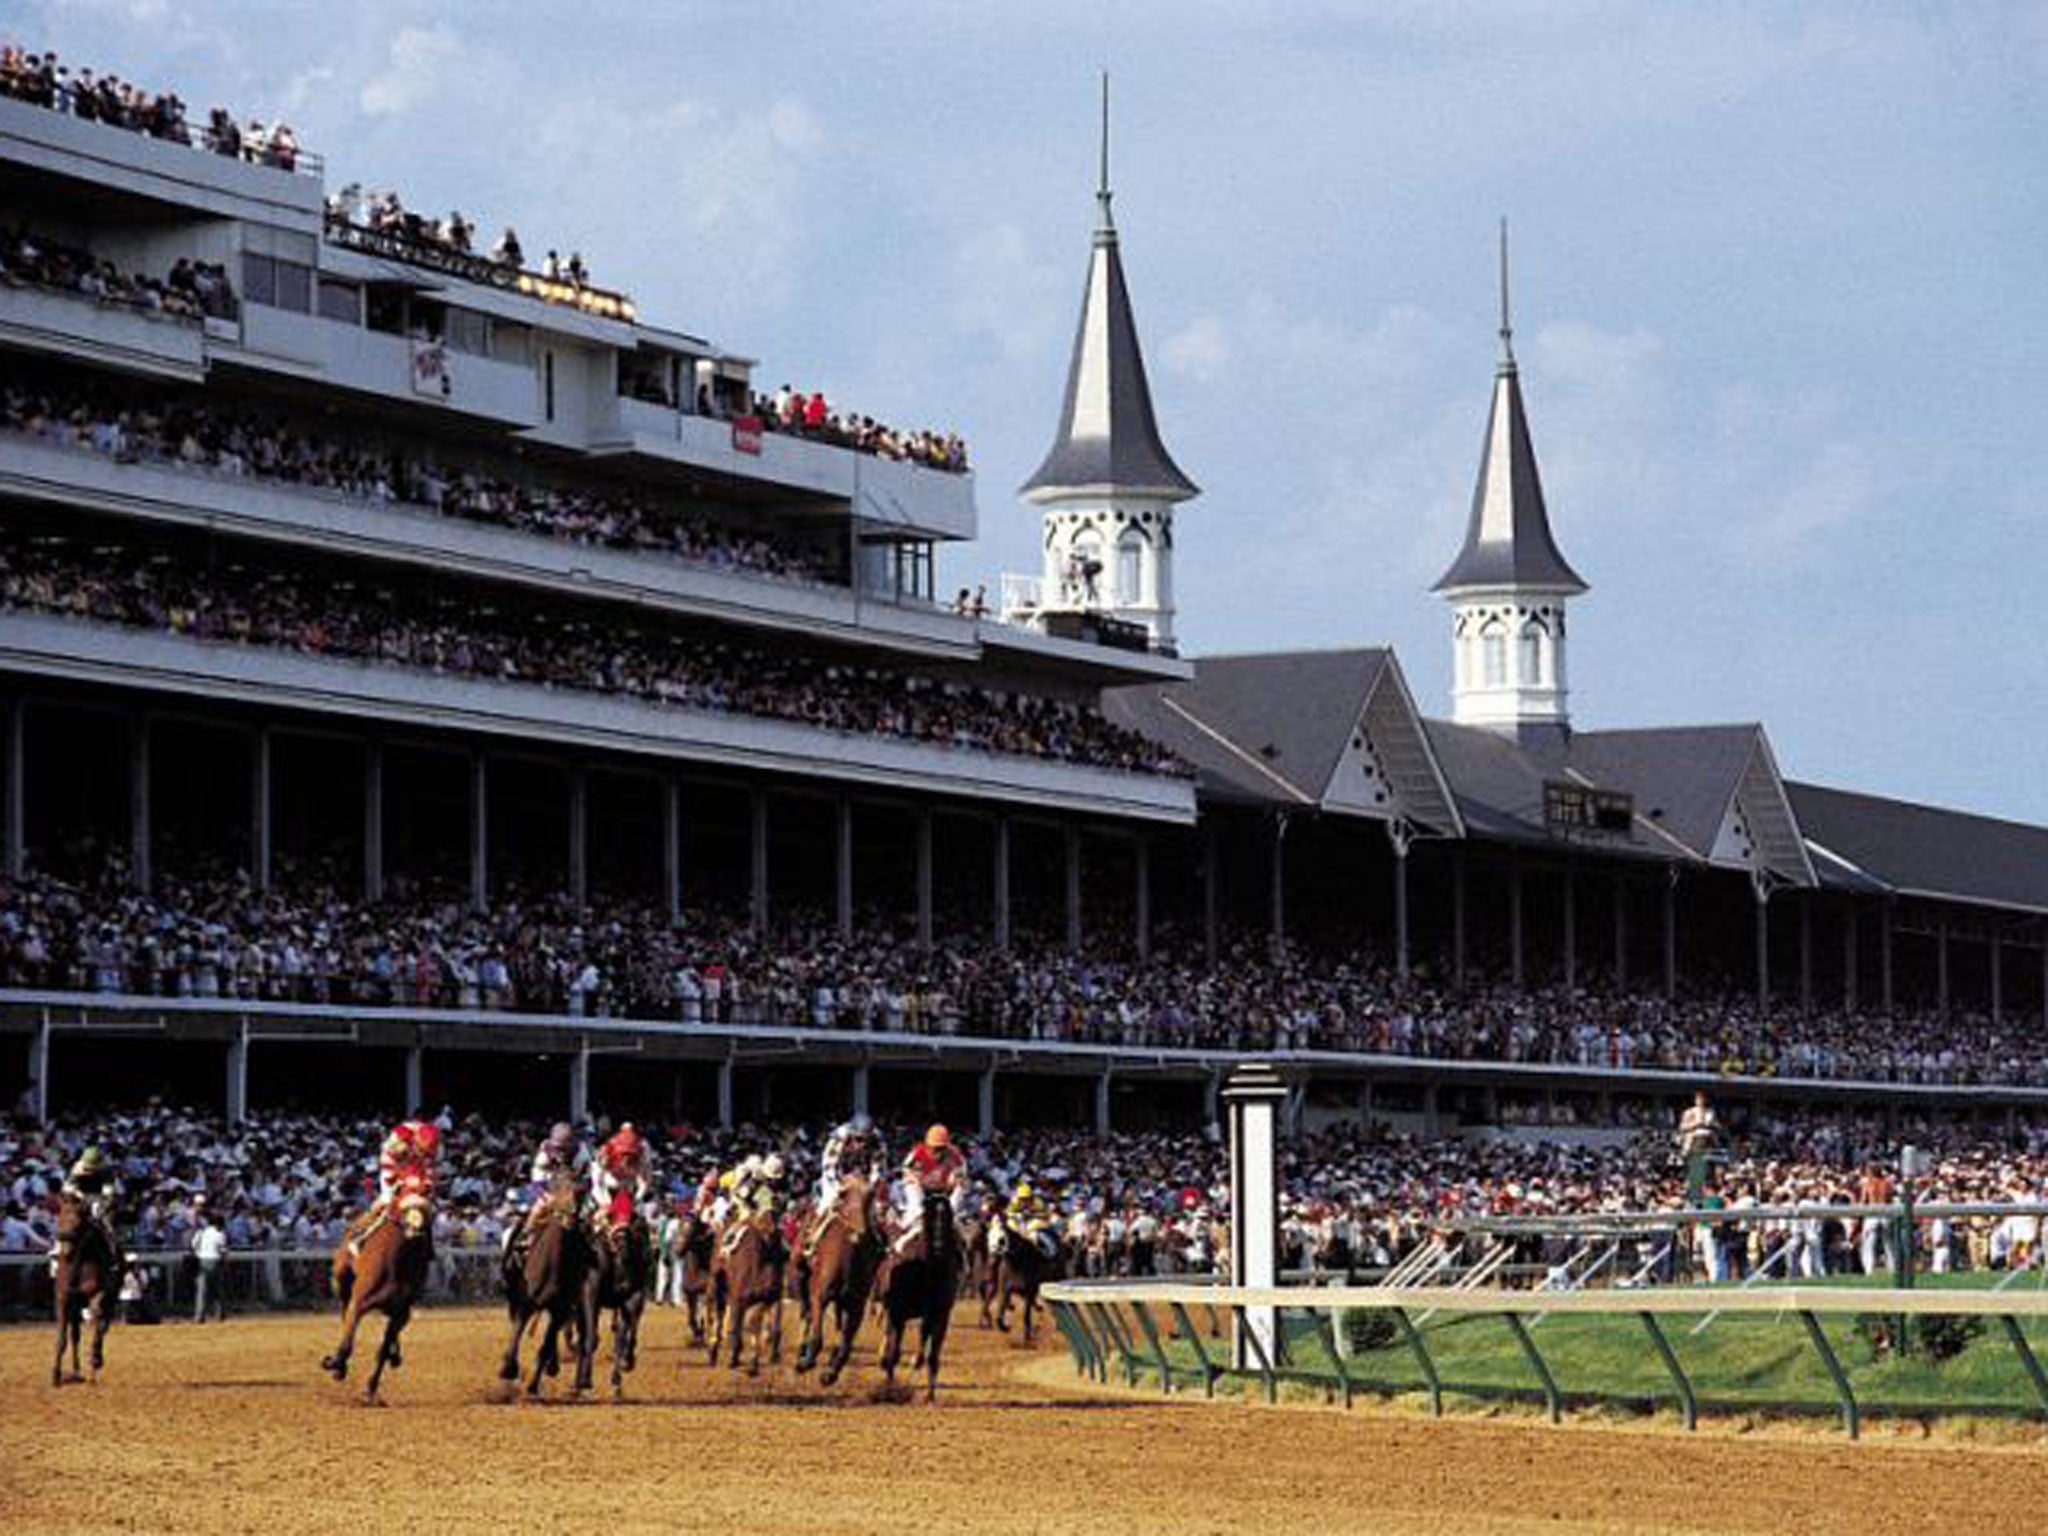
(933, 1170)
(405, 1163)
(620, 1177)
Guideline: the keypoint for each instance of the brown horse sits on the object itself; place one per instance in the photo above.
(545, 1272)
(616, 1283)
(1021, 1269)
(382, 1271)
(88, 1278)
(836, 1274)
(920, 1282)
(746, 1282)
(699, 1241)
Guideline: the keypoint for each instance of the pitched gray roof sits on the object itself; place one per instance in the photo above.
(1682, 777)
(1222, 773)
(1108, 438)
(1508, 540)
(1293, 711)
(1924, 850)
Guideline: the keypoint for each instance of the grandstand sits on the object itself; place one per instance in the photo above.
(427, 679)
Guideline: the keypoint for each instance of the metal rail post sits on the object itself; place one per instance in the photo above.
(1144, 1316)
(1063, 1319)
(1688, 1405)
(1188, 1331)
(2032, 1366)
(1852, 1419)
(1253, 1345)
(1328, 1333)
(1422, 1358)
(1551, 1397)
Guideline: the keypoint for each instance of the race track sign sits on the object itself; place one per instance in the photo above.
(1578, 810)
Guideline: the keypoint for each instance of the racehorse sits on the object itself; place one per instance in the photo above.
(616, 1283)
(978, 1264)
(837, 1274)
(746, 1282)
(920, 1282)
(548, 1277)
(698, 1242)
(382, 1270)
(88, 1278)
(1021, 1268)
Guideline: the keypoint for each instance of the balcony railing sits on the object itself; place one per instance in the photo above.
(416, 249)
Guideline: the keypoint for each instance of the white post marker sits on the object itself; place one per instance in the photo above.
(1252, 1096)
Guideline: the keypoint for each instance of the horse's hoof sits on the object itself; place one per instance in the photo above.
(753, 1368)
(827, 1376)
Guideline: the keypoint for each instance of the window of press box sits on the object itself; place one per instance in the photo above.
(511, 343)
(467, 331)
(277, 283)
(341, 301)
(386, 310)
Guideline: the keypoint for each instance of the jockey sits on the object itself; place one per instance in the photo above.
(933, 1168)
(756, 1197)
(91, 1183)
(853, 1150)
(405, 1163)
(1029, 1215)
(561, 1156)
(620, 1177)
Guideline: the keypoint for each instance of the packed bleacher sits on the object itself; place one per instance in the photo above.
(438, 628)
(308, 941)
(143, 424)
(808, 415)
(42, 79)
(190, 291)
(1353, 1195)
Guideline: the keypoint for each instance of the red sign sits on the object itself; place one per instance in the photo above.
(746, 434)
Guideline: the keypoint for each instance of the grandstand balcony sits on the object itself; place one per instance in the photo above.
(77, 327)
(86, 652)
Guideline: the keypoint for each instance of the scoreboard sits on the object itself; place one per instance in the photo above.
(1577, 809)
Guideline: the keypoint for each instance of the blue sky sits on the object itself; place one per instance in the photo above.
(1779, 272)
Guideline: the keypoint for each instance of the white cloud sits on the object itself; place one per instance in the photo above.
(414, 69)
(1004, 290)
(1200, 349)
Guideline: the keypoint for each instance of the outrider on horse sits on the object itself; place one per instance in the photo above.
(88, 1277)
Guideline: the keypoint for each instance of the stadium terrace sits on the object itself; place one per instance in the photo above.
(428, 680)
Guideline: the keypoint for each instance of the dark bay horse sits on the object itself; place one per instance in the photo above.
(383, 1271)
(622, 1259)
(545, 1273)
(746, 1283)
(88, 1278)
(920, 1282)
(1021, 1269)
(698, 1242)
(836, 1275)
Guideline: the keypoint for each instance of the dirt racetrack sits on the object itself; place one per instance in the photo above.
(233, 1428)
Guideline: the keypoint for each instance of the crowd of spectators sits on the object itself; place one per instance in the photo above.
(808, 415)
(44, 80)
(436, 628)
(1353, 1195)
(138, 424)
(190, 291)
(307, 940)
(381, 213)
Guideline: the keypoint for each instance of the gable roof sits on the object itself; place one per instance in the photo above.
(1925, 850)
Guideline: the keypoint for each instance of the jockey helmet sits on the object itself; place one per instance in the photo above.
(90, 1159)
(751, 1166)
(938, 1138)
(863, 1122)
(427, 1137)
(628, 1139)
(725, 1179)
(771, 1167)
(562, 1136)
(1024, 1189)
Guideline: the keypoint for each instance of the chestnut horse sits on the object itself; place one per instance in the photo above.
(746, 1282)
(1021, 1269)
(837, 1274)
(617, 1283)
(88, 1278)
(920, 1282)
(545, 1273)
(383, 1271)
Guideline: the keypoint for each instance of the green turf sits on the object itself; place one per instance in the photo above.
(1737, 1363)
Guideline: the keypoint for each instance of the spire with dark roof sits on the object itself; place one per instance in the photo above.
(1508, 541)
(1108, 439)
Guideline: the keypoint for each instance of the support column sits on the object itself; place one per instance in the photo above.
(1805, 955)
(1141, 894)
(924, 880)
(415, 1079)
(479, 832)
(579, 836)
(860, 1089)
(1102, 1126)
(672, 848)
(1997, 977)
(373, 821)
(1001, 902)
(1571, 928)
(579, 1085)
(1884, 956)
(1397, 834)
(1277, 896)
(1253, 1097)
(1515, 967)
(1941, 966)
(259, 808)
(1671, 933)
(757, 860)
(985, 1103)
(39, 1073)
(2044, 977)
(842, 866)
(725, 1094)
(1763, 944)
(238, 1075)
(138, 804)
(1211, 863)
(1620, 933)
(1850, 960)
(1074, 889)
(1458, 921)
(16, 815)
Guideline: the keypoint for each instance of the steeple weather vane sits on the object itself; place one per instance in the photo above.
(1102, 181)
(1507, 329)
